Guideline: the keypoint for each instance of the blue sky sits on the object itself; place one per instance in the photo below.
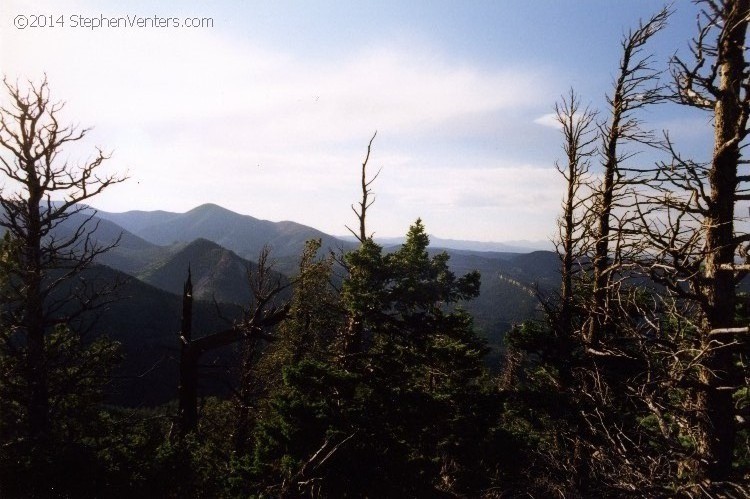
(269, 112)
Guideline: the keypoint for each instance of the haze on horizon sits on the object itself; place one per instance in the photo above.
(268, 113)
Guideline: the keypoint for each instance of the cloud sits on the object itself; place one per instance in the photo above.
(548, 120)
(201, 116)
(492, 201)
(142, 77)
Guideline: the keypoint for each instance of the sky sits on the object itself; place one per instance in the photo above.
(268, 110)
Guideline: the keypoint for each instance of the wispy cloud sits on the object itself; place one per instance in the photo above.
(548, 120)
(198, 116)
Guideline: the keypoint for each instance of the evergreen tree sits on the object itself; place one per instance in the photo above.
(409, 411)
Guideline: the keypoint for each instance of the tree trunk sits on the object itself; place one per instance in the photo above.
(39, 405)
(566, 312)
(242, 424)
(187, 390)
(716, 426)
(600, 319)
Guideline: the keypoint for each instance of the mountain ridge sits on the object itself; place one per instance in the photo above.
(206, 220)
(243, 234)
(217, 273)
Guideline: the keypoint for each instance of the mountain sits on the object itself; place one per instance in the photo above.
(145, 318)
(156, 248)
(541, 268)
(508, 293)
(243, 234)
(217, 273)
(146, 322)
(131, 253)
(464, 245)
(218, 245)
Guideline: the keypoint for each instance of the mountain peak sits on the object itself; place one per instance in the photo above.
(243, 234)
(210, 208)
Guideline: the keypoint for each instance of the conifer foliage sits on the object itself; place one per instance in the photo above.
(404, 413)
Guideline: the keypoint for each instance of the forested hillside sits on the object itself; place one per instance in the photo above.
(511, 282)
(214, 354)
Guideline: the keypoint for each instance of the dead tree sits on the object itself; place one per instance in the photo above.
(695, 241)
(598, 369)
(637, 86)
(265, 286)
(364, 204)
(187, 389)
(52, 230)
(352, 337)
(262, 315)
(577, 127)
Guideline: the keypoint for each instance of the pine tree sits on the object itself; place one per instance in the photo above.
(408, 410)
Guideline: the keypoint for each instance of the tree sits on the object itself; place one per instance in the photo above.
(364, 204)
(658, 377)
(410, 409)
(694, 240)
(401, 404)
(359, 275)
(573, 231)
(51, 229)
(314, 321)
(635, 88)
(603, 379)
(262, 314)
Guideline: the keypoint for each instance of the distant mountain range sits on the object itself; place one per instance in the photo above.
(156, 248)
(521, 246)
(243, 234)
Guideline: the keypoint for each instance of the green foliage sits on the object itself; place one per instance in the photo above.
(79, 375)
(411, 411)
(313, 320)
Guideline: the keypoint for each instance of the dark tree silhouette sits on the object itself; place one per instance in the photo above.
(577, 126)
(52, 230)
(261, 316)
